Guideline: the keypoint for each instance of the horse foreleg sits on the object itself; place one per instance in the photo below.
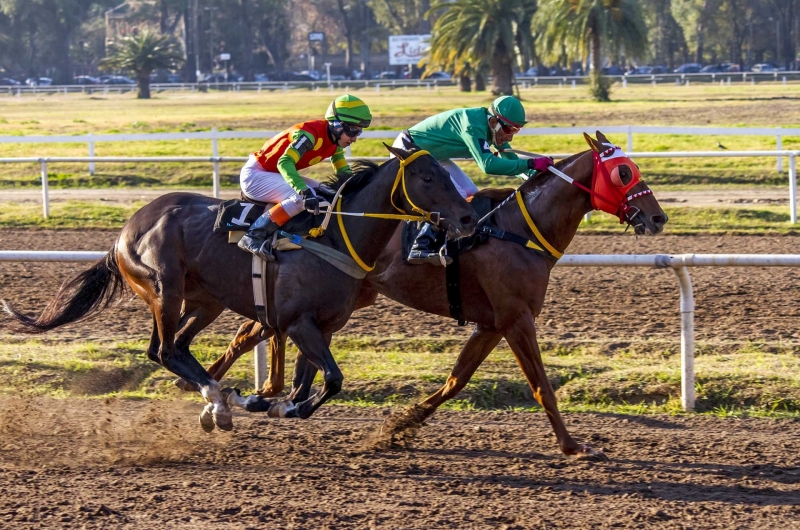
(480, 344)
(277, 366)
(521, 337)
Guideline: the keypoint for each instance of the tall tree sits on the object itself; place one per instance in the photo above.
(141, 54)
(479, 31)
(581, 29)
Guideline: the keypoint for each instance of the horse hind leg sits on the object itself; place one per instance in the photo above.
(166, 309)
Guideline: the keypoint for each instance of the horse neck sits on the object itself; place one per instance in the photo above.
(556, 207)
(369, 236)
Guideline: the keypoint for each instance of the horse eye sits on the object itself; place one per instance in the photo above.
(426, 177)
(624, 174)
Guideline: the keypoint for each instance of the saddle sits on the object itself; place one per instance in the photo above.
(236, 215)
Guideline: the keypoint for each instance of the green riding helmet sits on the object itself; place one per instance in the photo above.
(349, 109)
(508, 109)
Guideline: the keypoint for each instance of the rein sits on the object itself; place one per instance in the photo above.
(423, 215)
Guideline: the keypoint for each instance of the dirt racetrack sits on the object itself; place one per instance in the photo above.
(128, 464)
(88, 463)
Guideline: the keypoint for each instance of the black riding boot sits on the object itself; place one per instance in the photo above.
(257, 238)
(426, 247)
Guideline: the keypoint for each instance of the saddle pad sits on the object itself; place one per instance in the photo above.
(236, 214)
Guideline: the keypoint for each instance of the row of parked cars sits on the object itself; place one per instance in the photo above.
(695, 68)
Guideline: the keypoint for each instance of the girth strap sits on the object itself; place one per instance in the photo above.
(453, 283)
(514, 238)
(340, 260)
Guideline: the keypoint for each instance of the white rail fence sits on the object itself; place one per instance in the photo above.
(214, 135)
(215, 160)
(679, 263)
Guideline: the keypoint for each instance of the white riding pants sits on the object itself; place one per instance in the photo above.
(462, 182)
(268, 186)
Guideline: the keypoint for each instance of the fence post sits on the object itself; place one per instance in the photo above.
(215, 155)
(687, 338)
(779, 147)
(45, 198)
(630, 139)
(793, 188)
(91, 155)
(260, 362)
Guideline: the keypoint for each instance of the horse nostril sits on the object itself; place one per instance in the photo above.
(468, 221)
(659, 219)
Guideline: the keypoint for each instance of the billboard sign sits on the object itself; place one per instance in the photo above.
(407, 49)
(316, 36)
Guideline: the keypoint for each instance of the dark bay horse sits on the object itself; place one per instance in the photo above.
(503, 284)
(187, 275)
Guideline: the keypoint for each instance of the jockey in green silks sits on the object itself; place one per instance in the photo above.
(469, 133)
(271, 173)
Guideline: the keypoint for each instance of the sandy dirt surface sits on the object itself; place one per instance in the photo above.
(124, 464)
(733, 305)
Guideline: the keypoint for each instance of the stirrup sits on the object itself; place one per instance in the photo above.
(417, 257)
(263, 251)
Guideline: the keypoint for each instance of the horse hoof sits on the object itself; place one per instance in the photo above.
(281, 409)
(223, 420)
(591, 455)
(207, 418)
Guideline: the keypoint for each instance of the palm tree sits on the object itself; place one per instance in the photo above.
(577, 29)
(141, 54)
(480, 32)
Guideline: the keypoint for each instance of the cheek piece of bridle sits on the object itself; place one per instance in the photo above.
(609, 194)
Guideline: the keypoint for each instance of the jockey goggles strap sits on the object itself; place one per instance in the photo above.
(401, 176)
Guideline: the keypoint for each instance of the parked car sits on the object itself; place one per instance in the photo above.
(38, 81)
(299, 76)
(530, 72)
(712, 69)
(85, 80)
(7, 81)
(118, 80)
(762, 68)
(386, 75)
(660, 69)
(612, 70)
(438, 75)
(261, 78)
(688, 68)
(640, 70)
(732, 67)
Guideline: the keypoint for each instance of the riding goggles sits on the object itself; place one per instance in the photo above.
(507, 127)
(352, 130)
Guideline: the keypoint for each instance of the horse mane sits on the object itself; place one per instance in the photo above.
(362, 173)
(497, 195)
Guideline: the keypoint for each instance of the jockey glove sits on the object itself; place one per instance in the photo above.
(310, 200)
(540, 163)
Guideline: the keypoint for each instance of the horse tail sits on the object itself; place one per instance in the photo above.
(78, 299)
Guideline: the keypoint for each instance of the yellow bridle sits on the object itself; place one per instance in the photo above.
(401, 177)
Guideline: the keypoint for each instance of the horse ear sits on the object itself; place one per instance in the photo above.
(399, 153)
(602, 138)
(409, 144)
(592, 142)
